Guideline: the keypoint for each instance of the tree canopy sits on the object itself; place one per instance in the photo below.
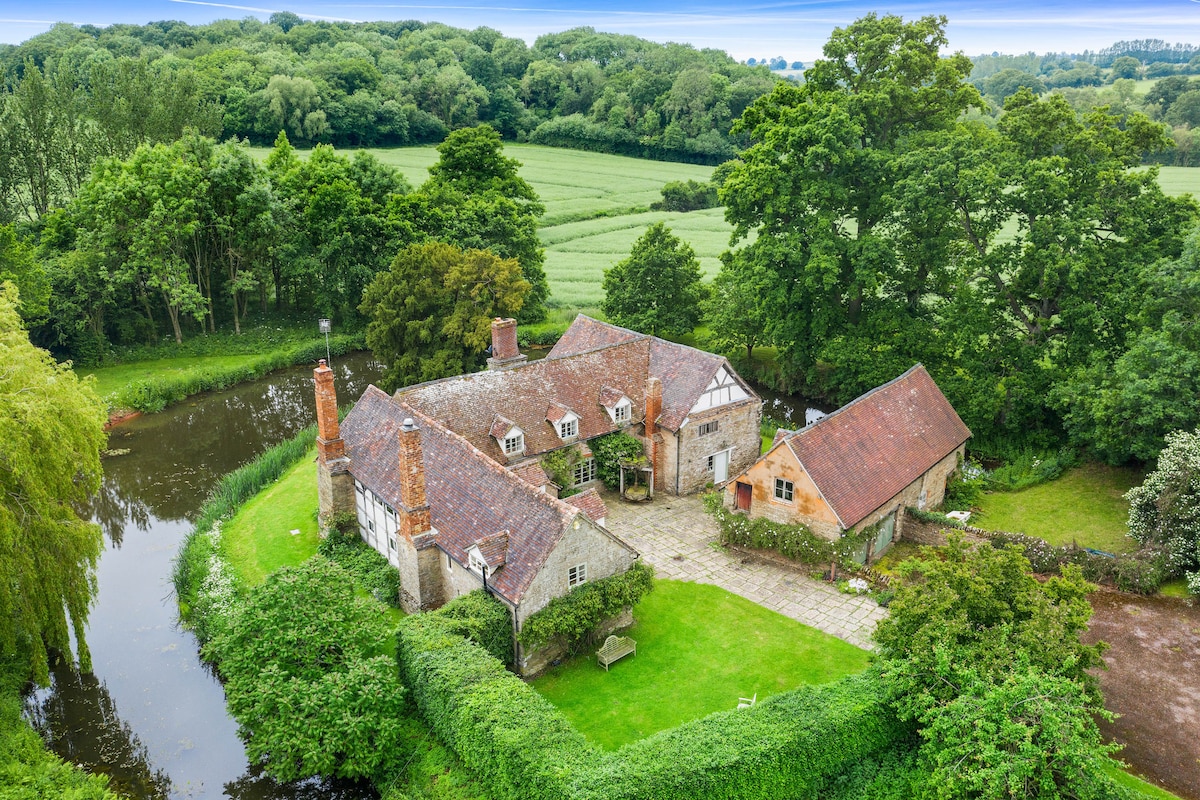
(1165, 509)
(430, 314)
(657, 289)
(53, 428)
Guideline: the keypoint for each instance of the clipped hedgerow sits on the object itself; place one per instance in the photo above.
(790, 745)
(484, 620)
(519, 744)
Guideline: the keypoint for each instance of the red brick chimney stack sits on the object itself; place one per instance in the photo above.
(414, 510)
(505, 352)
(653, 404)
(330, 446)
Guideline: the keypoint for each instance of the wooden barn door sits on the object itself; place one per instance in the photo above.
(744, 492)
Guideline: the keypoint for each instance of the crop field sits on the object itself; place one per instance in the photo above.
(597, 205)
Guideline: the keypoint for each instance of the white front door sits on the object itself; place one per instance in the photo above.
(721, 466)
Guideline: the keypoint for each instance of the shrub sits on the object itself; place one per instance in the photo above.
(579, 612)
(934, 518)
(964, 490)
(1165, 510)
(367, 566)
(610, 450)
(1030, 468)
(560, 466)
(796, 542)
(1141, 572)
(306, 679)
(687, 195)
(484, 620)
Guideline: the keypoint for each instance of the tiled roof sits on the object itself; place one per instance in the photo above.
(469, 404)
(609, 397)
(500, 427)
(532, 473)
(867, 451)
(493, 550)
(685, 373)
(586, 334)
(557, 412)
(470, 496)
(589, 503)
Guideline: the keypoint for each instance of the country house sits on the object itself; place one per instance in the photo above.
(445, 480)
(892, 448)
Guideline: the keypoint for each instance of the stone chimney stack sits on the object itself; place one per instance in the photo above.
(414, 510)
(505, 352)
(335, 488)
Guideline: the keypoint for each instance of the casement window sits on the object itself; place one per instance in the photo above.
(568, 428)
(514, 444)
(707, 428)
(391, 512)
(621, 413)
(391, 543)
(475, 562)
(584, 472)
(576, 576)
(784, 490)
(710, 463)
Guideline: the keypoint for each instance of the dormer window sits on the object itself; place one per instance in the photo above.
(514, 443)
(475, 561)
(564, 420)
(508, 436)
(568, 428)
(617, 404)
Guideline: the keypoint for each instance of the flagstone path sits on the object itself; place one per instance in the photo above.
(677, 538)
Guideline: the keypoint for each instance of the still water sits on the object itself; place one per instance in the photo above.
(153, 715)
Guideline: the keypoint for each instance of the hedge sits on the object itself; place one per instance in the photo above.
(796, 542)
(792, 745)
(519, 744)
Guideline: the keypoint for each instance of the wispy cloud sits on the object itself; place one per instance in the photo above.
(255, 10)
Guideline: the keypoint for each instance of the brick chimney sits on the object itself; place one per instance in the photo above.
(414, 510)
(505, 352)
(335, 487)
(653, 438)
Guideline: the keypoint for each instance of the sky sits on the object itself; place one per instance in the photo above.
(794, 29)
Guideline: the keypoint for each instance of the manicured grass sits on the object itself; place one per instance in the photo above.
(699, 648)
(258, 540)
(1139, 787)
(110, 379)
(1086, 506)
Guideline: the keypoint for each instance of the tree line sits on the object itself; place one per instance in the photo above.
(392, 83)
(184, 237)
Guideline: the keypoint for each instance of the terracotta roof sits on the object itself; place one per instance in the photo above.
(586, 334)
(685, 373)
(500, 427)
(469, 404)
(779, 434)
(557, 412)
(589, 503)
(866, 452)
(471, 497)
(609, 397)
(532, 473)
(493, 549)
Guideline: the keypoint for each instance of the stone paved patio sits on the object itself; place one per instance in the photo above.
(679, 540)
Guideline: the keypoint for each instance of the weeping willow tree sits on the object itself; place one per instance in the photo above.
(51, 432)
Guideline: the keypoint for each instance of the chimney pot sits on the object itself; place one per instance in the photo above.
(505, 352)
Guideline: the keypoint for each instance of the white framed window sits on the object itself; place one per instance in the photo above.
(391, 512)
(621, 412)
(708, 427)
(362, 490)
(391, 543)
(785, 490)
(371, 525)
(710, 463)
(474, 562)
(584, 471)
(514, 443)
(568, 428)
(576, 576)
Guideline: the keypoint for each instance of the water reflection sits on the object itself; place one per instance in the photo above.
(153, 716)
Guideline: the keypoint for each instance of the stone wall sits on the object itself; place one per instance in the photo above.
(582, 543)
(532, 663)
(456, 578)
(335, 492)
(738, 431)
(935, 535)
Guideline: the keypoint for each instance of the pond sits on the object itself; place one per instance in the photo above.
(153, 714)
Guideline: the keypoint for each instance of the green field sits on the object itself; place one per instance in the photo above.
(1180, 180)
(699, 648)
(1086, 505)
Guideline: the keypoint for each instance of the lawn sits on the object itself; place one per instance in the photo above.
(699, 648)
(259, 540)
(111, 379)
(1086, 506)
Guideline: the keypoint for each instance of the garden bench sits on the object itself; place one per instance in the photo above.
(615, 647)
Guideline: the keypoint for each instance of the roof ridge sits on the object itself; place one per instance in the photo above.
(856, 400)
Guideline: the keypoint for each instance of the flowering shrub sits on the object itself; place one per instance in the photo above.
(796, 542)
(1165, 510)
(1141, 572)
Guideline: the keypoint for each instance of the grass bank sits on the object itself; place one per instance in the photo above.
(1086, 506)
(699, 648)
(149, 379)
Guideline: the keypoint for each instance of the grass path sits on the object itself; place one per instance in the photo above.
(700, 648)
(1086, 505)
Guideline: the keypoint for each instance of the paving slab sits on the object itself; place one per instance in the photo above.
(677, 538)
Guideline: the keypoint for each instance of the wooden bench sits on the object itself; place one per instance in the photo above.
(615, 647)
